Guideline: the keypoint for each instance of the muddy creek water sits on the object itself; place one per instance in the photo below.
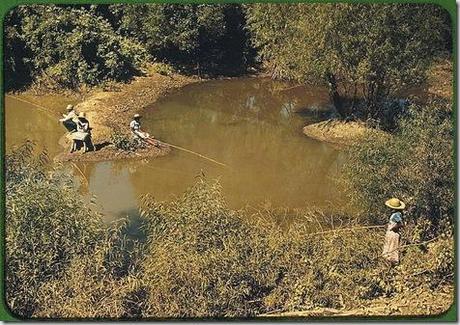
(254, 126)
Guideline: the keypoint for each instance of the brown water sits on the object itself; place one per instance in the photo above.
(254, 126)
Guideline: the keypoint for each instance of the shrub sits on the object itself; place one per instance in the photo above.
(47, 225)
(204, 260)
(125, 142)
(414, 164)
(102, 284)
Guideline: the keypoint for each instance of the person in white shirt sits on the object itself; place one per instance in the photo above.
(83, 135)
(135, 126)
(69, 120)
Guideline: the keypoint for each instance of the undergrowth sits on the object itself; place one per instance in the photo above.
(200, 258)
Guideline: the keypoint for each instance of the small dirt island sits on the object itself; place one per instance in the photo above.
(109, 111)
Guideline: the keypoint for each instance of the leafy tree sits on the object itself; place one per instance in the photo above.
(367, 51)
(202, 37)
(72, 46)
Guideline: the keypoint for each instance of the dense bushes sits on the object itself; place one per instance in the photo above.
(415, 164)
(200, 259)
(47, 226)
(68, 46)
(72, 46)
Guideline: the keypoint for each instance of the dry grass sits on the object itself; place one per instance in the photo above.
(200, 258)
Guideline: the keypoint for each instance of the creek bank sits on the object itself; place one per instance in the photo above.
(339, 133)
(418, 302)
(109, 152)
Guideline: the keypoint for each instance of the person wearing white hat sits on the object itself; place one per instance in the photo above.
(135, 126)
(392, 236)
(69, 120)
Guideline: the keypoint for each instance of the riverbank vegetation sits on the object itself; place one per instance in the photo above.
(197, 257)
(201, 259)
(72, 46)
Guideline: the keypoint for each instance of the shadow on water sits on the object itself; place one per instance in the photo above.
(134, 228)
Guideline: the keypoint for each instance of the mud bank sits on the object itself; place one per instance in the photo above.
(109, 152)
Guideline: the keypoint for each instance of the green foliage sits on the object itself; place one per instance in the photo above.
(204, 260)
(126, 142)
(162, 68)
(414, 164)
(100, 284)
(68, 46)
(201, 37)
(359, 50)
(72, 46)
(47, 225)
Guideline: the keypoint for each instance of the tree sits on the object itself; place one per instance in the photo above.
(367, 51)
(71, 46)
(201, 37)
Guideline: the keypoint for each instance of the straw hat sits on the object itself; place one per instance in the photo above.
(137, 116)
(395, 203)
(82, 114)
(69, 107)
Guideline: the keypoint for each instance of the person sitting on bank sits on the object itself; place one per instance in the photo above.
(392, 236)
(83, 135)
(69, 120)
(135, 127)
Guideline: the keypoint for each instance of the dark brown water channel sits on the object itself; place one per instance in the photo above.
(252, 125)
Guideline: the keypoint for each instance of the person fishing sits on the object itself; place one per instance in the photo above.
(82, 136)
(392, 236)
(69, 120)
(136, 130)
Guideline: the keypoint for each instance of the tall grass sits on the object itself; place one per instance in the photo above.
(200, 258)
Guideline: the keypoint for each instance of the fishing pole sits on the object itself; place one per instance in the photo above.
(192, 152)
(165, 143)
(29, 102)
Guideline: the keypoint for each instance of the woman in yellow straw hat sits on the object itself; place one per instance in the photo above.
(392, 236)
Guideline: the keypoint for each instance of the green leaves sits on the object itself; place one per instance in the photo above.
(72, 46)
(372, 50)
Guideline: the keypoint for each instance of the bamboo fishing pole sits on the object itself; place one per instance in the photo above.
(165, 143)
(192, 152)
(29, 102)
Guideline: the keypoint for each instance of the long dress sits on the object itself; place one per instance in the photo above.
(391, 245)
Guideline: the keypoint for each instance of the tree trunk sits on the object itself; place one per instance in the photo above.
(335, 96)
